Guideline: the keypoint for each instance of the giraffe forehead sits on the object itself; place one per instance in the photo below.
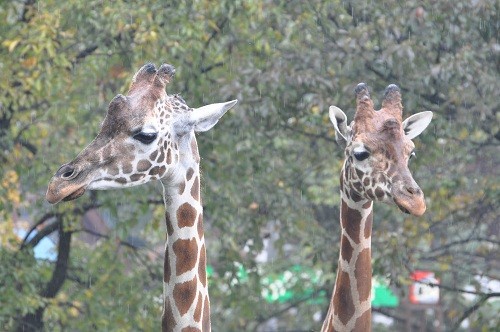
(382, 141)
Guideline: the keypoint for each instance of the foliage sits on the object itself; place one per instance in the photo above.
(271, 161)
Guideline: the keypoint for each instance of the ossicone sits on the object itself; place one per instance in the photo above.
(364, 104)
(143, 78)
(392, 101)
(148, 76)
(164, 75)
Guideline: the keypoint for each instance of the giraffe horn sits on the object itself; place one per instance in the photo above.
(143, 77)
(165, 74)
(364, 104)
(392, 102)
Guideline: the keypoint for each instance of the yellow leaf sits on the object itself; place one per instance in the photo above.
(73, 312)
(11, 44)
(29, 62)
(463, 134)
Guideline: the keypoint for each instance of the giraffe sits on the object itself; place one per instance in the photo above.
(149, 135)
(378, 148)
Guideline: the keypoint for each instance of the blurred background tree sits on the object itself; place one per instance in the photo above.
(270, 167)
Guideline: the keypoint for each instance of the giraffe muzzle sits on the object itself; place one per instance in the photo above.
(409, 199)
(63, 187)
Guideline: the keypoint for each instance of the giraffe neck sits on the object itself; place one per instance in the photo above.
(350, 306)
(186, 303)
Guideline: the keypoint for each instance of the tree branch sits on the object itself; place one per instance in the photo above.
(49, 229)
(61, 268)
(43, 219)
(34, 321)
(472, 309)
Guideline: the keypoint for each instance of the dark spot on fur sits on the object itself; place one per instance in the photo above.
(202, 266)
(127, 168)
(169, 156)
(346, 249)
(121, 180)
(154, 171)
(350, 220)
(189, 173)
(342, 299)
(136, 177)
(186, 253)
(143, 165)
(152, 156)
(195, 189)
(186, 215)
(161, 157)
(364, 273)
(184, 294)
(166, 267)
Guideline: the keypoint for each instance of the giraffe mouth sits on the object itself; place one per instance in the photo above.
(74, 195)
(415, 206)
(403, 209)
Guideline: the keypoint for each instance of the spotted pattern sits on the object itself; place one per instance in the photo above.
(187, 286)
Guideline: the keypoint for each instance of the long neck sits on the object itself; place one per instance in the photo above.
(185, 291)
(350, 306)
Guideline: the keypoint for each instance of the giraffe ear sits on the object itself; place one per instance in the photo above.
(339, 120)
(205, 117)
(416, 124)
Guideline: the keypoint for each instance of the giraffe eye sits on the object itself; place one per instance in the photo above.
(361, 155)
(146, 138)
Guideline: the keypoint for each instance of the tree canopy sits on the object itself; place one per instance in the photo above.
(270, 167)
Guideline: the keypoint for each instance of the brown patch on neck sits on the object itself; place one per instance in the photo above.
(184, 294)
(364, 322)
(186, 253)
(182, 186)
(170, 228)
(189, 173)
(167, 271)
(197, 311)
(206, 315)
(342, 299)
(167, 318)
(202, 267)
(186, 215)
(363, 273)
(200, 226)
(194, 150)
(368, 225)
(345, 249)
(195, 189)
(350, 221)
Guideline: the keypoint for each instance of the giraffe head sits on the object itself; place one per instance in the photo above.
(146, 135)
(378, 146)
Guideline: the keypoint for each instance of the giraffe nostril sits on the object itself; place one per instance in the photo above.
(66, 172)
(413, 190)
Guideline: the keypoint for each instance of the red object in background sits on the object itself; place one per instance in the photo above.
(420, 291)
